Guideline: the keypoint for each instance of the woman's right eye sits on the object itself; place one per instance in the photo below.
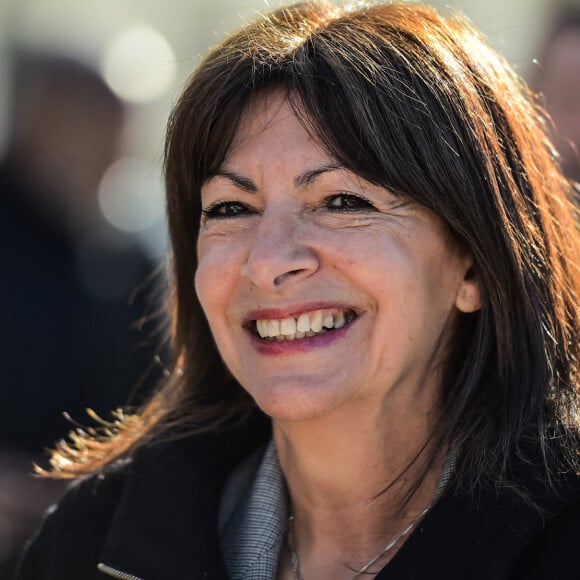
(225, 210)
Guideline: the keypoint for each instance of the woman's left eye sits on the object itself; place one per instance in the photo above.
(348, 202)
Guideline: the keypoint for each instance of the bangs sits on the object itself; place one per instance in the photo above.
(395, 125)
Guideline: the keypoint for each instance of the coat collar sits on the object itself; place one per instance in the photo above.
(165, 523)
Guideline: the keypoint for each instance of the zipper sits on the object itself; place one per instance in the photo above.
(116, 573)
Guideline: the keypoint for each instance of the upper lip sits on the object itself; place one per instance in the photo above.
(271, 313)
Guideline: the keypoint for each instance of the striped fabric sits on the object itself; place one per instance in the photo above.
(254, 513)
(253, 522)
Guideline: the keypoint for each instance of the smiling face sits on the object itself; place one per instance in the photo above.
(321, 289)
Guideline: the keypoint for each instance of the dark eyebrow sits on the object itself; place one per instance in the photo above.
(309, 176)
(302, 181)
(240, 181)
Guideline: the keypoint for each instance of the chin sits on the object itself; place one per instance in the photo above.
(296, 402)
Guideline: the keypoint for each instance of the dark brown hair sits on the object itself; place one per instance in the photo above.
(419, 104)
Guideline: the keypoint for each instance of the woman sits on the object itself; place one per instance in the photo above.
(373, 247)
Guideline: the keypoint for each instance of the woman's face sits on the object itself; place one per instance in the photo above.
(321, 289)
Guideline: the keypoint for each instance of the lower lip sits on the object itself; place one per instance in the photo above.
(285, 347)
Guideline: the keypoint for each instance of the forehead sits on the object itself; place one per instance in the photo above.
(271, 115)
(271, 142)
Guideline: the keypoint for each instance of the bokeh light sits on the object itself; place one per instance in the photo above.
(131, 195)
(139, 64)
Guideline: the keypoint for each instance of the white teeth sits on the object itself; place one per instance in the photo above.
(288, 326)
(316, 321)
(262, 327)
(273, 327)
(306, 325)
(303, 324)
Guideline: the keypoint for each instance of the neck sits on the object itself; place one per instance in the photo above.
(347, 479)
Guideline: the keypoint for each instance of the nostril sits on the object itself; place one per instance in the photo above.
(271, 266)
(279, 280)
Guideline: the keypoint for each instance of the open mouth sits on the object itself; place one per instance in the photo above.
(306, 325)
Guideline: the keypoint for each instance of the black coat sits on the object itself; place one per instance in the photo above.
(155, 518)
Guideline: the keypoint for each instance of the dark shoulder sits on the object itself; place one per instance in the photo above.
(127, 504)
(68, 543)
(554, 552)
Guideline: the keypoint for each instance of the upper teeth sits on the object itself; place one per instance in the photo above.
(307, 324)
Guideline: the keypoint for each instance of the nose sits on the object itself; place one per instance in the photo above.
(279, 254)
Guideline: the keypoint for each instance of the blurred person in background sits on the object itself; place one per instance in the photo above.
(558, 79)
(68, 340)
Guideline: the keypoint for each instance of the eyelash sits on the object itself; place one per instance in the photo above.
(360, 203)
(214, 210)
(221, 209)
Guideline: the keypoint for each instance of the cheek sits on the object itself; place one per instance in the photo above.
(212, 291)
(217, 279)
(212, 279)
(203, 284)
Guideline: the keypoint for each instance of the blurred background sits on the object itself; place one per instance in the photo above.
(85, 91)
